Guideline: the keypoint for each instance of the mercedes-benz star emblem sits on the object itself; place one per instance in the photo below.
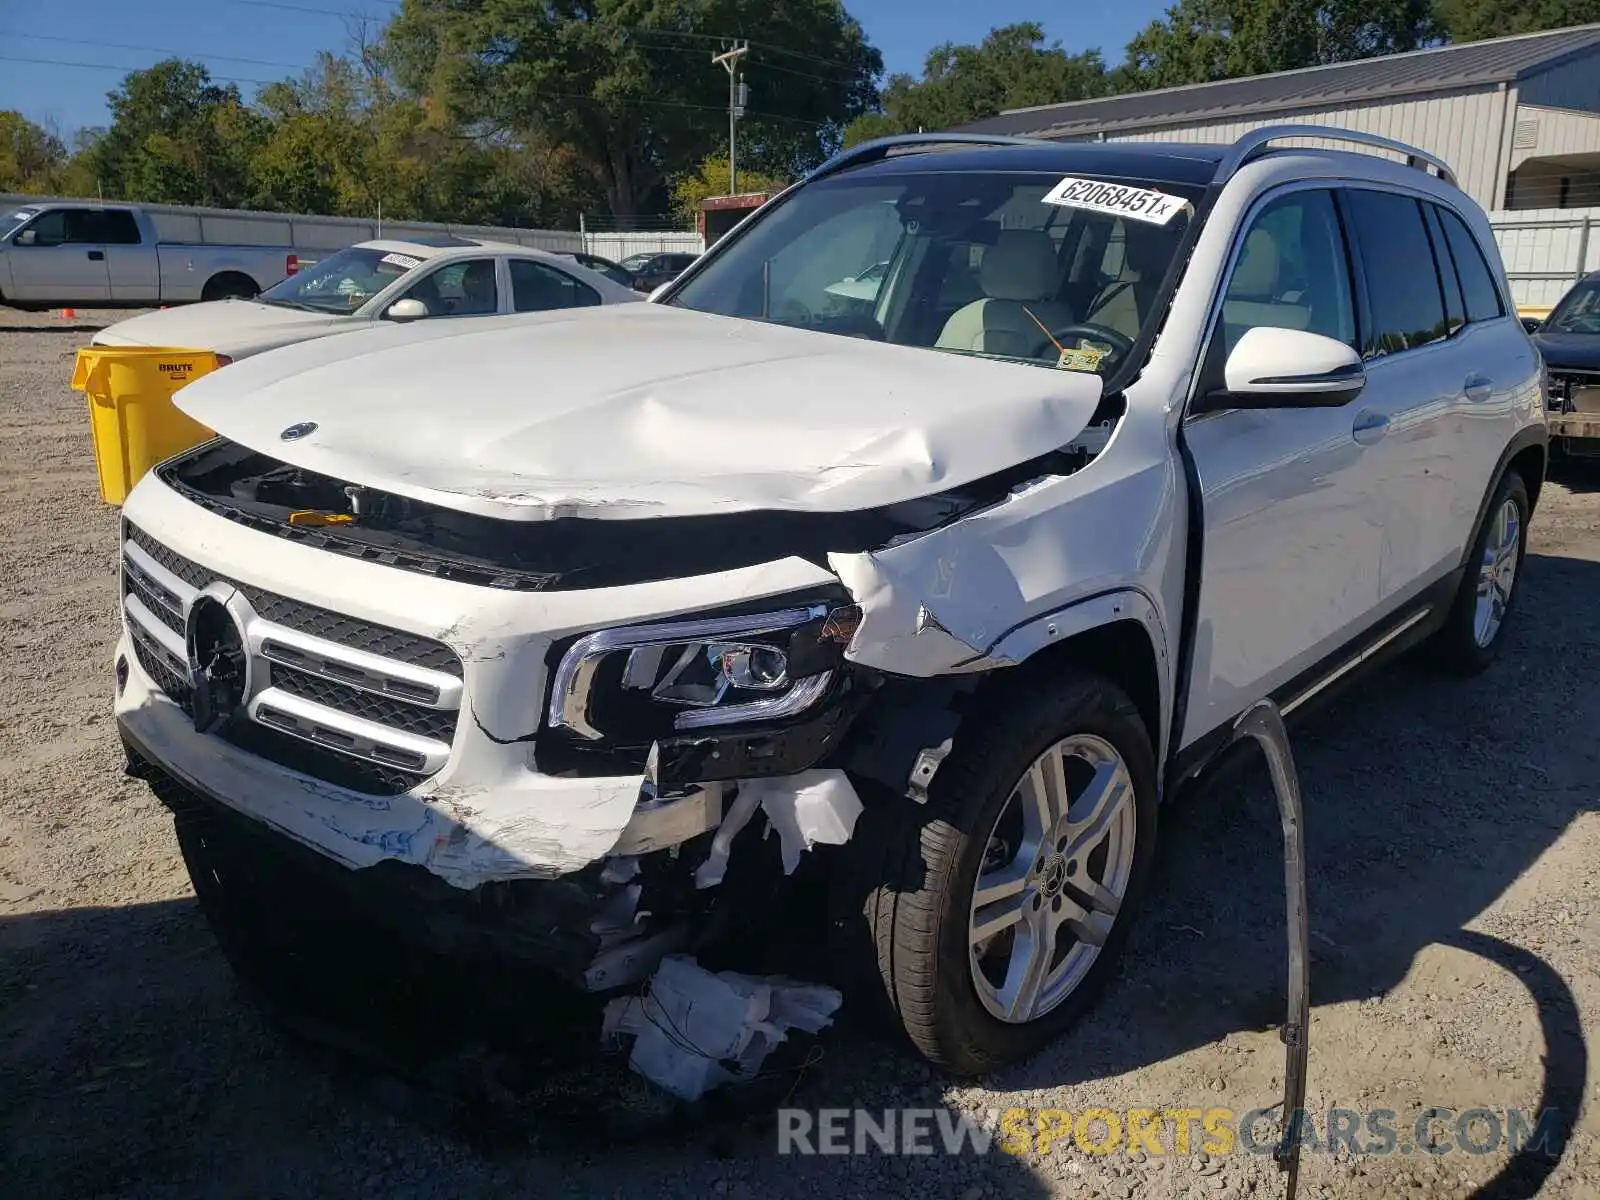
(218, 663)
(295, 432)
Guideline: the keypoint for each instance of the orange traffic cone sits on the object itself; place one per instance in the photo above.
(69, 314)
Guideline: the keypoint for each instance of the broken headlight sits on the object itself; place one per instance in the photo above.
(642, 682)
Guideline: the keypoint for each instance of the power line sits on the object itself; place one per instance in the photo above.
(165, 51)
(769, 47)
(57, 62)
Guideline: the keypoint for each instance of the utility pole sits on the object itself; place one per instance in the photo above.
(738, 97)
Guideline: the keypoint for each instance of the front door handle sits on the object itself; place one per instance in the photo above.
(97, 256)
(1478, 387)
(1370, 426)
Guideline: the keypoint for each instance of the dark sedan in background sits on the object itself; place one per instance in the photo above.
(1569, 340)
(651, 271)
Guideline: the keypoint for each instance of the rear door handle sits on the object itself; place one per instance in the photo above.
(1369, 427)
(1478, 387)
(97, 256)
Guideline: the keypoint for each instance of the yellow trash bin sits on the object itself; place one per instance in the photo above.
(131, 413)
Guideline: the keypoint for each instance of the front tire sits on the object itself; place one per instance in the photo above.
(998, 911)
(1472, 634)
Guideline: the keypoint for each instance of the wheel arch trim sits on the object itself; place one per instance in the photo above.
(1057, 630)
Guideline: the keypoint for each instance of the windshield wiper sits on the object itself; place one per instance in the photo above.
(301, 305)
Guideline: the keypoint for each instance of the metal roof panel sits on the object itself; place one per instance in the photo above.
(1497, 60)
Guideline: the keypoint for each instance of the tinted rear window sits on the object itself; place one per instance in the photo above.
(118, 228)
(1477, 284)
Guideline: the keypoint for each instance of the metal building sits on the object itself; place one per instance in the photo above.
(1517, 117)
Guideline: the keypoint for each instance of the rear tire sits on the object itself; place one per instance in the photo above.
(231, 285)
(1472, 634)
(957, 989)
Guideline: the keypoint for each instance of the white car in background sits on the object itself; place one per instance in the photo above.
(385, 280)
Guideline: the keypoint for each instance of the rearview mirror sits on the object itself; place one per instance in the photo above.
(407, 310)
(1287, 368)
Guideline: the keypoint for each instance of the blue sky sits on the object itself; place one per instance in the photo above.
(252, 41)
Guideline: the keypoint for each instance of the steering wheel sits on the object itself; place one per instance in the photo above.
(794, 312)
(1121, 343)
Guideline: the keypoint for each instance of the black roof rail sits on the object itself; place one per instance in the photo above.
(1251, 145)
(880, 148)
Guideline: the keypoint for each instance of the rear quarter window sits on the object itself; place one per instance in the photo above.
(1477, 282)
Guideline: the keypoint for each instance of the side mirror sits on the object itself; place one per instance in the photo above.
(26, 238)
(406, 310)
(1531, 324)
(1287, 368)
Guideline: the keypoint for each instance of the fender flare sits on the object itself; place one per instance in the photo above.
(1525, 439)
(1023, 641)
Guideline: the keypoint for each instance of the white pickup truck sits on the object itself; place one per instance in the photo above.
(111, 256)
(572, 637)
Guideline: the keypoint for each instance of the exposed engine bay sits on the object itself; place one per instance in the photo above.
(565, 554)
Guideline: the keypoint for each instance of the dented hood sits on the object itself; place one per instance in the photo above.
(639, 411)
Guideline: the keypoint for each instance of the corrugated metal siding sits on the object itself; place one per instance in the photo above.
(1431, 72)
(1554, 132)
(1574, 84)
(1463, 129)
(1545, 242)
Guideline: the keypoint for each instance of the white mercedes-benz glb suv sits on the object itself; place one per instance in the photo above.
(575, 636)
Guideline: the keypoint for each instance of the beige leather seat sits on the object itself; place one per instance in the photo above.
(1125, 304)
(1018, 276)
(1254, 296)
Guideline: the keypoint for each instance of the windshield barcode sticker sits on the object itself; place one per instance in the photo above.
(1117, 199)
(404, 261)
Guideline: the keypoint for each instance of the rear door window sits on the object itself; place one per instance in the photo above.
(118, 228)
(1454, 308)
(1402, 284)
(536, 287)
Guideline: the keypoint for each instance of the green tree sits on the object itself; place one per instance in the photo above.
(32, 159)
(1199, 41)
(1471, 20)
(628, 86)
(1011, 68)
(175, 137)
(711, 179)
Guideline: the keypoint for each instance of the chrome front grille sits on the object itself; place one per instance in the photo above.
(360, 705)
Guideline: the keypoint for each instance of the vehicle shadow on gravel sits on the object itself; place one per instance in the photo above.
(63, 328)
(135, 1064)
(1425, 798)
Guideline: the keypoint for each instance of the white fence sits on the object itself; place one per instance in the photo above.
(321, 235)
(619, 245)
(1546, 251)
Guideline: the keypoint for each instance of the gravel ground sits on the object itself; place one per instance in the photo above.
(1453, 842)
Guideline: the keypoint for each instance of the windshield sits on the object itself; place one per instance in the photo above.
(1025, 267)
(1579, 310)
(635, 262)
(342, 282)
(12, 221)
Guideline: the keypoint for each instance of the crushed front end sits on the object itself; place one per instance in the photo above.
(490, 750)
